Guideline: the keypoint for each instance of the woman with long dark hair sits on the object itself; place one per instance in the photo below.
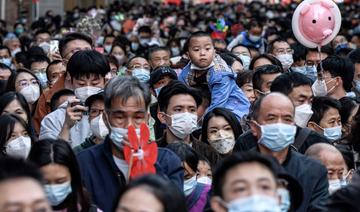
(60, 169)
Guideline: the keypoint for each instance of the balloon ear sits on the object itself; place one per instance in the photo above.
(305, 9)
(327, 5)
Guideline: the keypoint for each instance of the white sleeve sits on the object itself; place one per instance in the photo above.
(52, 124)
(235, 42)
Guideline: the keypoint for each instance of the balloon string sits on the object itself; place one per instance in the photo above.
(320, 73)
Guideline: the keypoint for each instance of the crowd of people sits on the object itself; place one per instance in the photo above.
(243, 117)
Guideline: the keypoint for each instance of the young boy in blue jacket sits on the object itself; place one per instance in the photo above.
(206, 67)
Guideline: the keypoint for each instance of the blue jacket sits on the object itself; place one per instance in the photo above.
(224, 90)
(105, 181)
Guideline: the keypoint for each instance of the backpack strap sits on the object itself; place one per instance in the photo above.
(299, 140)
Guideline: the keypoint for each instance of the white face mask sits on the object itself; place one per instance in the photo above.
(246, 60)
(183, 124)
(190, 185)
(334, 185)
(117, 135)
(254, 38)
(98, 127)
(223, 142)
(45, 46)
(204, 180)
(31, 93)
(319, 88)
(13, 52)
(83, 93)
(286, 60)
(19, 147)
(255, 203)
(42, 78)
(57, 193)
(303, 114)
(107, 48)
(120, 59)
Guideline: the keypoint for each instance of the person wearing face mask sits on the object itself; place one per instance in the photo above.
(159, 56)
(119, 52)
(178, 106)
(354, 56)
(235, 189)
(272, 123)
(243, 53)
(5, 56)
(87, 70)
(99, 130)
(139, 67)
(263, 77)
(15, 134)
(338, 76)
(42, 39)
(38, 66)
(334, 162)
(326, 119)
(196, 193)
(250, 38)
(281, 49)
(63, 185)
(220, 130)
(299, 57)
(108, 43)
(103, 167)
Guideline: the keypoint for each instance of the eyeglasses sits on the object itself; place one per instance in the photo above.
(95, 112)
(284, 51)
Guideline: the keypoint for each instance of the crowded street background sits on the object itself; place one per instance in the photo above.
(175, 106)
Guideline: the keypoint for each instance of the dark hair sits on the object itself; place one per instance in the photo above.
(54, 62)
(285, 83)
(12, 80)
(354, 136)
(21, 57)
(227, 115)
(144, 29)
(50, 151)
(243, 78)
(234, 160)
(354, 55)
(271, 58)
(347, 106)
(7, 124)
(185, 153)
(132, 58)
(340, 67)
(163, 190)
(41, 31)
(15, 168)
(240, 45)
(230, 58)
(84, 63)
(57, 95)
(196, 35)
(327, 49)
(157, 49)
(176, 87)
(39, 59)
(10, 96)
(253, 23)
(120, 45)
(270, 47)
(71, 37)
(299, 52)
(6, 48)
(320, 105)
(262, 70)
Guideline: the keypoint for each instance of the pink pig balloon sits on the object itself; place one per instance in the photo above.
(316, 22)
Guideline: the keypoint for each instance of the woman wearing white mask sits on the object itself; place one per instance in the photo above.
(63, 185)
(15, 103)
(26, 83)
(220, 129)
(119, 52)
(196, 193)
(14, 136)
(99, 130)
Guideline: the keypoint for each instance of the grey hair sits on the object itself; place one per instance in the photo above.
(126, 87)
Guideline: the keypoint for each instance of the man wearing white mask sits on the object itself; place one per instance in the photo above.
(139, 67)
(326, 119)
(99, 130)
(87, 70)
(334, 162)
(103, 167)
(244, 54)
(272, 123)
(281, 49)
(178, 106)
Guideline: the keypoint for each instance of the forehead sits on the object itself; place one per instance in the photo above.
(331, 112)
(182, 99)
(76, 44)
(313, 55)
(4, 51)
(24, 75)
(160, 53)
(241, 172)
(138, 61)
(240, 49)
(133, 103)
(201, 40)
(331, 158)
(304, 90)
(281, 45)
(277, 105)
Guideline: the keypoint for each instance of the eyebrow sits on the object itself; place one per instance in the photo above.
(10, 204)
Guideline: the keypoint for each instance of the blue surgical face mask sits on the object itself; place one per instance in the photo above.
(333, 133)
(311, 72)
(357, 86)
(117, 135)
(57, 193)
(142, 74)
(246, 60)
(284, 199)
(189, 185)
(299, 69)
(42, 78)
(255, 203)
(157, 90)
(254, 38)
(6, 61)
(278, 136)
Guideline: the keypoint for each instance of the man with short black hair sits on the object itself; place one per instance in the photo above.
(263, 77)
(159, 56)
(38, 65)
(178, 106)
(281, 49)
